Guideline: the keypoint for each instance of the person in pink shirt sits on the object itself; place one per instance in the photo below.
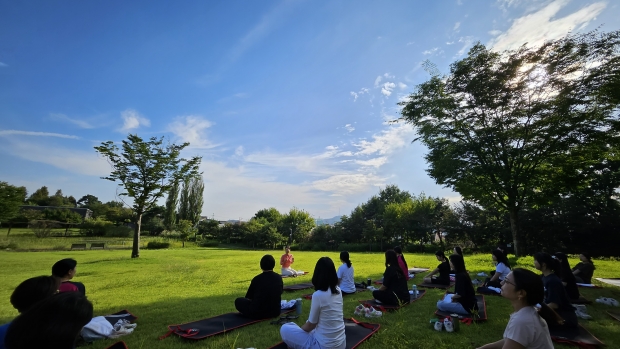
(402, 263)
(285, 261)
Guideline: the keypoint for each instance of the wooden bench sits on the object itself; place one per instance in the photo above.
(78, 246)
(97, 245)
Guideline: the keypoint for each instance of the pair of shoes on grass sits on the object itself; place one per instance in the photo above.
(367, 312)
(580, 311)
(607, 301)
(446, 323)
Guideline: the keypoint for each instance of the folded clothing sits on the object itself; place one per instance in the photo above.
(287, 304)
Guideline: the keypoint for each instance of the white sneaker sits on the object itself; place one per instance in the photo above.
(613, 302)
(371, 312)
(438, 325)
(448, 325)
(360, 310)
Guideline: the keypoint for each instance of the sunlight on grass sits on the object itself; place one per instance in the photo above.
(174, 286)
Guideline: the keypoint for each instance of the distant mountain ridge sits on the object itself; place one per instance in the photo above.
(330, 221)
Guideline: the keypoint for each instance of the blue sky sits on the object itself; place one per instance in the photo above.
(288, 102)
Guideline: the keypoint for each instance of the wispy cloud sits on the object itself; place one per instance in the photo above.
(132, 120)
(537, 27)
(349, 127)
(362, 91)
(431, 51)
(348, 184)
(457, 25)
(467, 41)
(387, 88)
(77, 122)
(36, 134)
(387, 141)
(192, 129)
(3, 64)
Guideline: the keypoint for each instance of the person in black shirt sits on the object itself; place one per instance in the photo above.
(443, 269)
(263, 297)
(394, 289)
(463, 301)
(568, 278)
(556, 297)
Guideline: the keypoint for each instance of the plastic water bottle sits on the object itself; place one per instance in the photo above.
(298, 306)
(414, 288)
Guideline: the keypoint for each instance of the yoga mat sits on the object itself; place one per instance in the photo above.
(445, 287)
(590, 285)
(215, 325)
(613, 281)
(291, 276)
(417, 270)
(123, 314)
(118, 345)
(487, 291)
(580, 300)
(298, 287)
(357, 290)
(383, 307)
(482, 311)
(355, 331)
(580, 337)
(614, 314)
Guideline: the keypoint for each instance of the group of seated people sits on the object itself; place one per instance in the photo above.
(52, 311)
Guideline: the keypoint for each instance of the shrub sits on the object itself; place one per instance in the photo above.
(9, 245)
(209, 243)
(42, 228)
(95, 227)
(157, 245)
(118, 231)
(319, 247)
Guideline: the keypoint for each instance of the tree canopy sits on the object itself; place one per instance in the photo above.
(146, 171)
(514, 129)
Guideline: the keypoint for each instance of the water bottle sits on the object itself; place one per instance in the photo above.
(368, 282)
(298, 306)
(414, 288)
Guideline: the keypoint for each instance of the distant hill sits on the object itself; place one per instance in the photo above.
(330, 221)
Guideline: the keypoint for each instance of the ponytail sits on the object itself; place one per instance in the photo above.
(550, 262)
(344, 256)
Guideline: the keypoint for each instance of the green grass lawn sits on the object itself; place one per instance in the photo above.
(174, 286)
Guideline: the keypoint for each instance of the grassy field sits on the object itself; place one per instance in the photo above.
(174, 286)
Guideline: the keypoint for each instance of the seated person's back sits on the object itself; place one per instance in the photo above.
(65, 270)
(263, 297)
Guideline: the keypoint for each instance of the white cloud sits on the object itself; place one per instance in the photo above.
(192, 129)
(347, 184)
(466, 41)
(387, 88)
(431, 51)
(362, 91)
(79, 123)
(387, 141)
(410, 43)
(349, 128)
(3, 64)
(457, 25)
(132, 119)
(37, 134)
(540, 26)
(374, 162)
(378, 80)
(402, 86)
(239, 151)
(494, 32)
(71, 160)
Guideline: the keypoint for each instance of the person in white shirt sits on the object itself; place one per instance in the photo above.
(345, 273)
(325, 326)
(526, 328)
(502, 269)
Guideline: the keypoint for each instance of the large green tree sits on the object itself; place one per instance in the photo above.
(170, 216)
(502, 125)
(146, 171)
(11, 198)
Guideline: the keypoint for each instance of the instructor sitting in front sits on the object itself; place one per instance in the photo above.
(285, 261)
(263, 297)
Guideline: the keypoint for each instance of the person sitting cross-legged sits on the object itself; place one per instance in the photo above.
(264, 294)
(394, 289)
(65, 270)
(286, 260)
(443, 269)
(463, 301)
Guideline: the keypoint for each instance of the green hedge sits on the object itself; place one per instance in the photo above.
(157, 245)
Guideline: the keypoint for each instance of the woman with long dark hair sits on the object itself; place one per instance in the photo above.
(458, 251)
(584, 270)
(394, 289)
(463, 301)
(527, 327)
(556, 297)
(325, 325)
(402, 263)
(57, 319)
(502, 269)
(345, 274)
(567, 277)
(443, 269)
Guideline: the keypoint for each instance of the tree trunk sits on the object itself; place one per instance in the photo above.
(514, 228)
(135, 251)
(9, 232)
